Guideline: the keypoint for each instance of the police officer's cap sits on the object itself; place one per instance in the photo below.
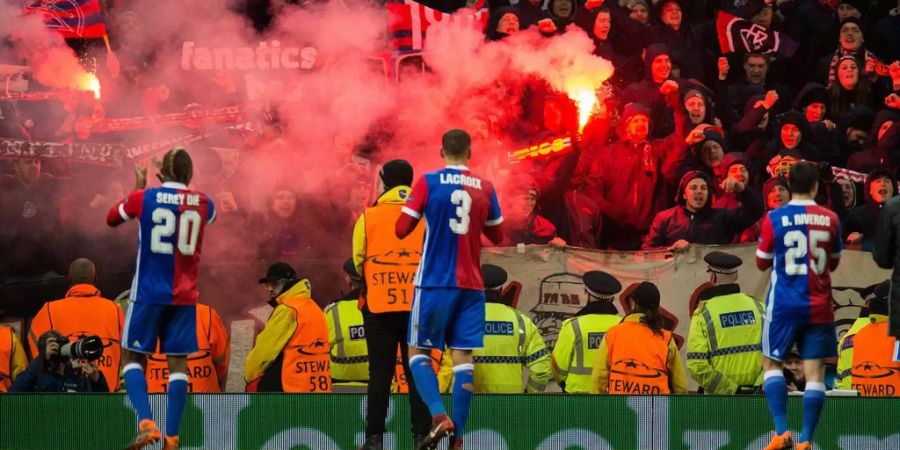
(494, 276)
(350, 270)
(723, 263)
(601, 285)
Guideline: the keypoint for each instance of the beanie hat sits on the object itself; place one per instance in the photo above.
(685, 179)
(811, 93)
(733, 158)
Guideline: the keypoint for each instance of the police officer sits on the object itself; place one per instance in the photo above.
(580, 336)
(512, 342)
(388, 266)
(12, 357)
(865, 361)
(723, 353)
(349, 355)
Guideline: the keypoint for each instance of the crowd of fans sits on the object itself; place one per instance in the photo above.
(687, 146)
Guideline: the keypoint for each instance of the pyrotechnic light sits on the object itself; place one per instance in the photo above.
(585, 99)
(91, 83)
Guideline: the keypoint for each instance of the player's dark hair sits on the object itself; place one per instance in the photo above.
(177, 166)
(456, 143)
(803, 177)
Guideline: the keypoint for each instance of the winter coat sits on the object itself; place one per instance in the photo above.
(886, 252)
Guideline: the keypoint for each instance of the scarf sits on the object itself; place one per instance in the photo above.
(866, 57)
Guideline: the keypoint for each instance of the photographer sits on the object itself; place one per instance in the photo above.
(54, 371)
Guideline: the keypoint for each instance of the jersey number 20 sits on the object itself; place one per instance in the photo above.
(164, 227)
(463, 202)
(798, 246)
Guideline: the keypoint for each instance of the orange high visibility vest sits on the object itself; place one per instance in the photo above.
(307, 362)
(637, 359)
(874, 372)
(390, 265)
(85, 313)
(400, 385)
(202, 371)
(6, 358)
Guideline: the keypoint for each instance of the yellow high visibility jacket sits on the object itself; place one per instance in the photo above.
(724, 342)
(512, 343)
(347, 336)
(576, 350)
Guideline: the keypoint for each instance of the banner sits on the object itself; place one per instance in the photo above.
(552, 290)
(741, 35)
(101, 154)
(408, 22)
(70, 18)
(190, 118)
(496, 422)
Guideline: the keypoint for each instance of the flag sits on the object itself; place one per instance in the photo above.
(741, 35)
(408, 21)
(70, 18)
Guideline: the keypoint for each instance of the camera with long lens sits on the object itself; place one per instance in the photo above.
(89, 348)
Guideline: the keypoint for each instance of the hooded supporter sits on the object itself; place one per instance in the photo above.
(748, 135)
(658, 70)
(776, 193)
(525, 225)
(790, 134)
(628, 176)
(862, 221)
(697, 101)
(853, 132)
(735, 165)
(706, 155)
(848, 192)
(694, 220)
(504, 22)
(683, 39)
(884, 145)
(561, 12)
(813, 101)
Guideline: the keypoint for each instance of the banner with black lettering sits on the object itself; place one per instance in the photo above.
(111, 155)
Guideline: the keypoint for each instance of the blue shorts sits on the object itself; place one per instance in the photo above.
(814, 340)
(175, 326)
(449, 317)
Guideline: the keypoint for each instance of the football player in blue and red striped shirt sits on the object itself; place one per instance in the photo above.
(448, 308)
(171, 220)
(801, 242)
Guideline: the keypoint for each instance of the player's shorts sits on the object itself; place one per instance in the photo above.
(814, 340)
(449, 317)
(175, 326)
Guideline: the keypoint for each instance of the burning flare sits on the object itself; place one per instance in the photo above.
(90, 83)
(585, 99)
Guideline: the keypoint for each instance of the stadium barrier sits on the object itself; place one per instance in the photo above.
(497, 422)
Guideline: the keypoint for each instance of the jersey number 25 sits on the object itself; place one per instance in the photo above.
(798, 246)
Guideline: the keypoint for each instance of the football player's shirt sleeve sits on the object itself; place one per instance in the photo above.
(766, 248)
(494, 216)
(127, 209)
(418, 198)
(838, 241)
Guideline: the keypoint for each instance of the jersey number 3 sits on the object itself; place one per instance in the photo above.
(164, 227)
(798, 246)
(463, 202)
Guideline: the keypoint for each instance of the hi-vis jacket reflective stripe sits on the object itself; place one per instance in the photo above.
(576, 350)
(511, 342)
(296, 335)
(874, 372)
(207, 368)
(634, 360)
(388, 264)
(349, 354)
(12, 358)
(83, 312)
(845, 350)
(723, 346)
